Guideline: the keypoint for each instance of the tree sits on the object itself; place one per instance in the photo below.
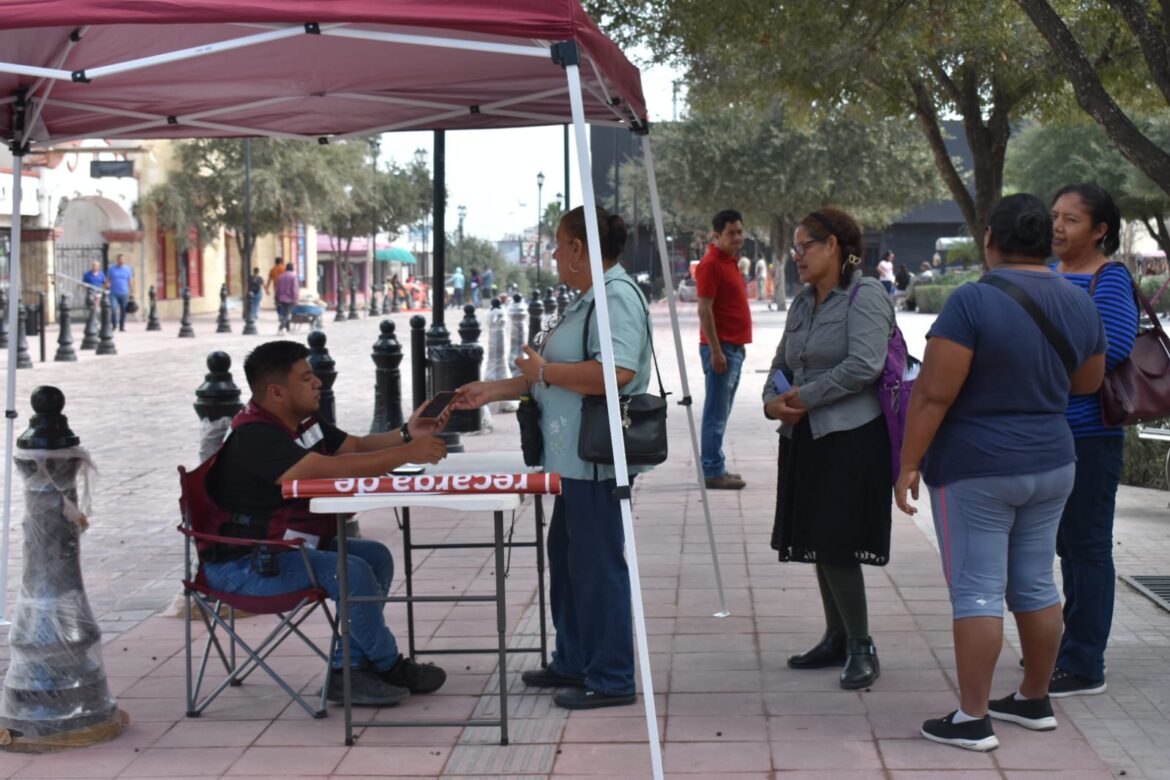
(775, 170)
(482, 254)
(1149, 25)
(979, 60)
(1042, 159)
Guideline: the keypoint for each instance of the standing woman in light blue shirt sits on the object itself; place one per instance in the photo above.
(589, 585)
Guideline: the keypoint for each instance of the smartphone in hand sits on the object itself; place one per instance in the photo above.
(781, 383)
(437, 405)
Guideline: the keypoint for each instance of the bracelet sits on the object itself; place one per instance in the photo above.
(405, 431)
(540, 375)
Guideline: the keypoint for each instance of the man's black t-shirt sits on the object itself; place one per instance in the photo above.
(253, 458)
(255, 284)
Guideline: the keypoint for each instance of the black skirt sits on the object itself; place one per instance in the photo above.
(833, 496)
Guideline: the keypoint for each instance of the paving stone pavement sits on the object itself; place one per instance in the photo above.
(727, 705)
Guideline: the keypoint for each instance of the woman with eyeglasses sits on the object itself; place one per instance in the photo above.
(589, 586)
(834, 485)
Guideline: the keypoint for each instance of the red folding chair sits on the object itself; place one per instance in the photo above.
(201, 515)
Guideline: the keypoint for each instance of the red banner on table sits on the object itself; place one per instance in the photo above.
(445, 484)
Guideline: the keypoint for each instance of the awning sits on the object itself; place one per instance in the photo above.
(395, 254)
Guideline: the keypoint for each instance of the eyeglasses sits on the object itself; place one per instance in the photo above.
(801, 247)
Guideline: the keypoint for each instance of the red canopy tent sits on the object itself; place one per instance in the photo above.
(321, 71)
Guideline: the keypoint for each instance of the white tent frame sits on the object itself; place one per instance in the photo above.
(567, 54)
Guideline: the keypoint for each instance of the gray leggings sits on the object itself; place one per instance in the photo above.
(997, 539)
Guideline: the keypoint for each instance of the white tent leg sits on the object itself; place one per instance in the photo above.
(660, 234)
(605, 335)
(10, 422)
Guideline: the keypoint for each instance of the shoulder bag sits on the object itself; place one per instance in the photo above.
(643, 417)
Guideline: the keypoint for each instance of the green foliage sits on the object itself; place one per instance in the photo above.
(1145, 462)
(1150, 286)
(962, 255)
(482, 254)
(929, 298)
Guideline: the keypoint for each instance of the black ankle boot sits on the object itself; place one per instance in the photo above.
(861, 664)
(830, 651)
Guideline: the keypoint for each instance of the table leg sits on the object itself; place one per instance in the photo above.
(502, 626)
(408, 564)
(540, 581)
(343, 627)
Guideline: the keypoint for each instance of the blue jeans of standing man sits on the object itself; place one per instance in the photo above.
(371, 568)
(1085, 546)
(589, 587)
(254, 302)
(118, 302)
(717, 404)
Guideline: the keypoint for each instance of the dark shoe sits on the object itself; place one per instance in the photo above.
(1065, 683)
(725, 482)
(861, 664)
(972, 735)
(1034, 714)
(366, 689)
(830, 651)
(547, 678)
(586, 699)
(414, 677)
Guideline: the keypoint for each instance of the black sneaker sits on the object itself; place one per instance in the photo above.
(366, 689)
(1065, 683)
(587, 699)
(1035, 714)
(414, 677)
(972, 735)
(549, 678)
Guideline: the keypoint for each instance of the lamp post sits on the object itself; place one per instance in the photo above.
(462, 213)
(539, 187)
(420, 158)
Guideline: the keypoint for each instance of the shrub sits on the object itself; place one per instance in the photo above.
(929, 298)
(1145, 462)
(1150, 285)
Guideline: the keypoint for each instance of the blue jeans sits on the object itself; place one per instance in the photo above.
(589, 587)
(371, 568)
(283, 311)
(1085, 546)
(717, 404)
(118, 303)
(255, 303)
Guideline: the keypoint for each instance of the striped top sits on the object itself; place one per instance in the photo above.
(1113, 296)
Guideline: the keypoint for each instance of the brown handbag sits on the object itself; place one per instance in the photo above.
(1138, 389)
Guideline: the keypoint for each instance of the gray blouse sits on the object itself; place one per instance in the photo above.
(834, 353)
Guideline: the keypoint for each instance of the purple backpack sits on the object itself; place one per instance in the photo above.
(894, 387)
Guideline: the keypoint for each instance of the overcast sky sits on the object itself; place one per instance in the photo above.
(493, 172)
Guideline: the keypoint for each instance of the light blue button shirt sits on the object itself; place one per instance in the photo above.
(560, 409)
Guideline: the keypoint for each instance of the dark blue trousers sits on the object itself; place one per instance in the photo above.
(589, 587)
(1085, 546)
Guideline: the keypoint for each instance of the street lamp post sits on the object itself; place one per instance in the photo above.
(420, 157)
(539, 187)
(462, 214)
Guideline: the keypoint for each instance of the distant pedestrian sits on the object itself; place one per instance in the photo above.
(273, 274)
(288, 288)
(457, 282)
(255, 291)
(119, 279)
(489, 283)
(901, 277)
(886, 271)
(725, 323)
(745, 270)
(94, 276)
(475, 282)
(761, 279)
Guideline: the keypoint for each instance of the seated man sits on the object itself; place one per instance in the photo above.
(277, 437)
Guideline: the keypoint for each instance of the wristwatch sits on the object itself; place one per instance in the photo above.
(405, 431)
(540, 375)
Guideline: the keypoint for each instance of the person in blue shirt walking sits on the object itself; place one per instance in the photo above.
(94, 276)
(120, 276)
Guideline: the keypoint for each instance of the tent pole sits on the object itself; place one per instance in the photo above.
(609, 372)
(10, 409)
(660, 234)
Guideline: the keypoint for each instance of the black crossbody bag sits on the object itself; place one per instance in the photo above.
(643, 416)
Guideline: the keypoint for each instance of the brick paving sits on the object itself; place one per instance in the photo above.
(727, 705)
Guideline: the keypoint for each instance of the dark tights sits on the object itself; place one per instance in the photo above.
(843, 595)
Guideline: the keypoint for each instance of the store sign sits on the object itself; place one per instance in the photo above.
(29, 205)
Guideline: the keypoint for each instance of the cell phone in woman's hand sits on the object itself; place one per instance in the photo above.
(437, 405)
(781, 383)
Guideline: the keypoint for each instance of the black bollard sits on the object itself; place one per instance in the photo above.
(23, 359)
(516, 330)
(250, 304)
(185, 329)
(106, 334)
(3, 320)
(324, 369)
(387, 355)
(550, 305)
(387, 297)
(217, 401)
(455, 365)
(340, 301)
(373, 310)
(469, 329)
(535, 317)
(65, 351)
(353, 312)
(56, 694)
(222, 324)
(562, 300)
(89, 339)
(152, 322)
(418, 360)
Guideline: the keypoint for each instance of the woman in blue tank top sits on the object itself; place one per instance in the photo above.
(1086, 231)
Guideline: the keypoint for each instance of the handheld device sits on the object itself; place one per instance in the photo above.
(781, 383)
(437, 405)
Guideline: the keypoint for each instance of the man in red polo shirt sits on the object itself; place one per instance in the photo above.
(725, 327)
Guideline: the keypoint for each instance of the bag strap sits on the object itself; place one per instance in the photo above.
(1057, 339)
(649, 336)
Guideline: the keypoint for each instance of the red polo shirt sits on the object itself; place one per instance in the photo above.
(717, 277)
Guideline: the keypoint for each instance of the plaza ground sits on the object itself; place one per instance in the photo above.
(728, 707)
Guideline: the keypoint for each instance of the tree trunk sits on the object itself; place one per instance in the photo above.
(1156, 227)
(1092, 96)
(781, 240)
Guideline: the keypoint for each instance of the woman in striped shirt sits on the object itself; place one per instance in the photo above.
(1086, 231)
